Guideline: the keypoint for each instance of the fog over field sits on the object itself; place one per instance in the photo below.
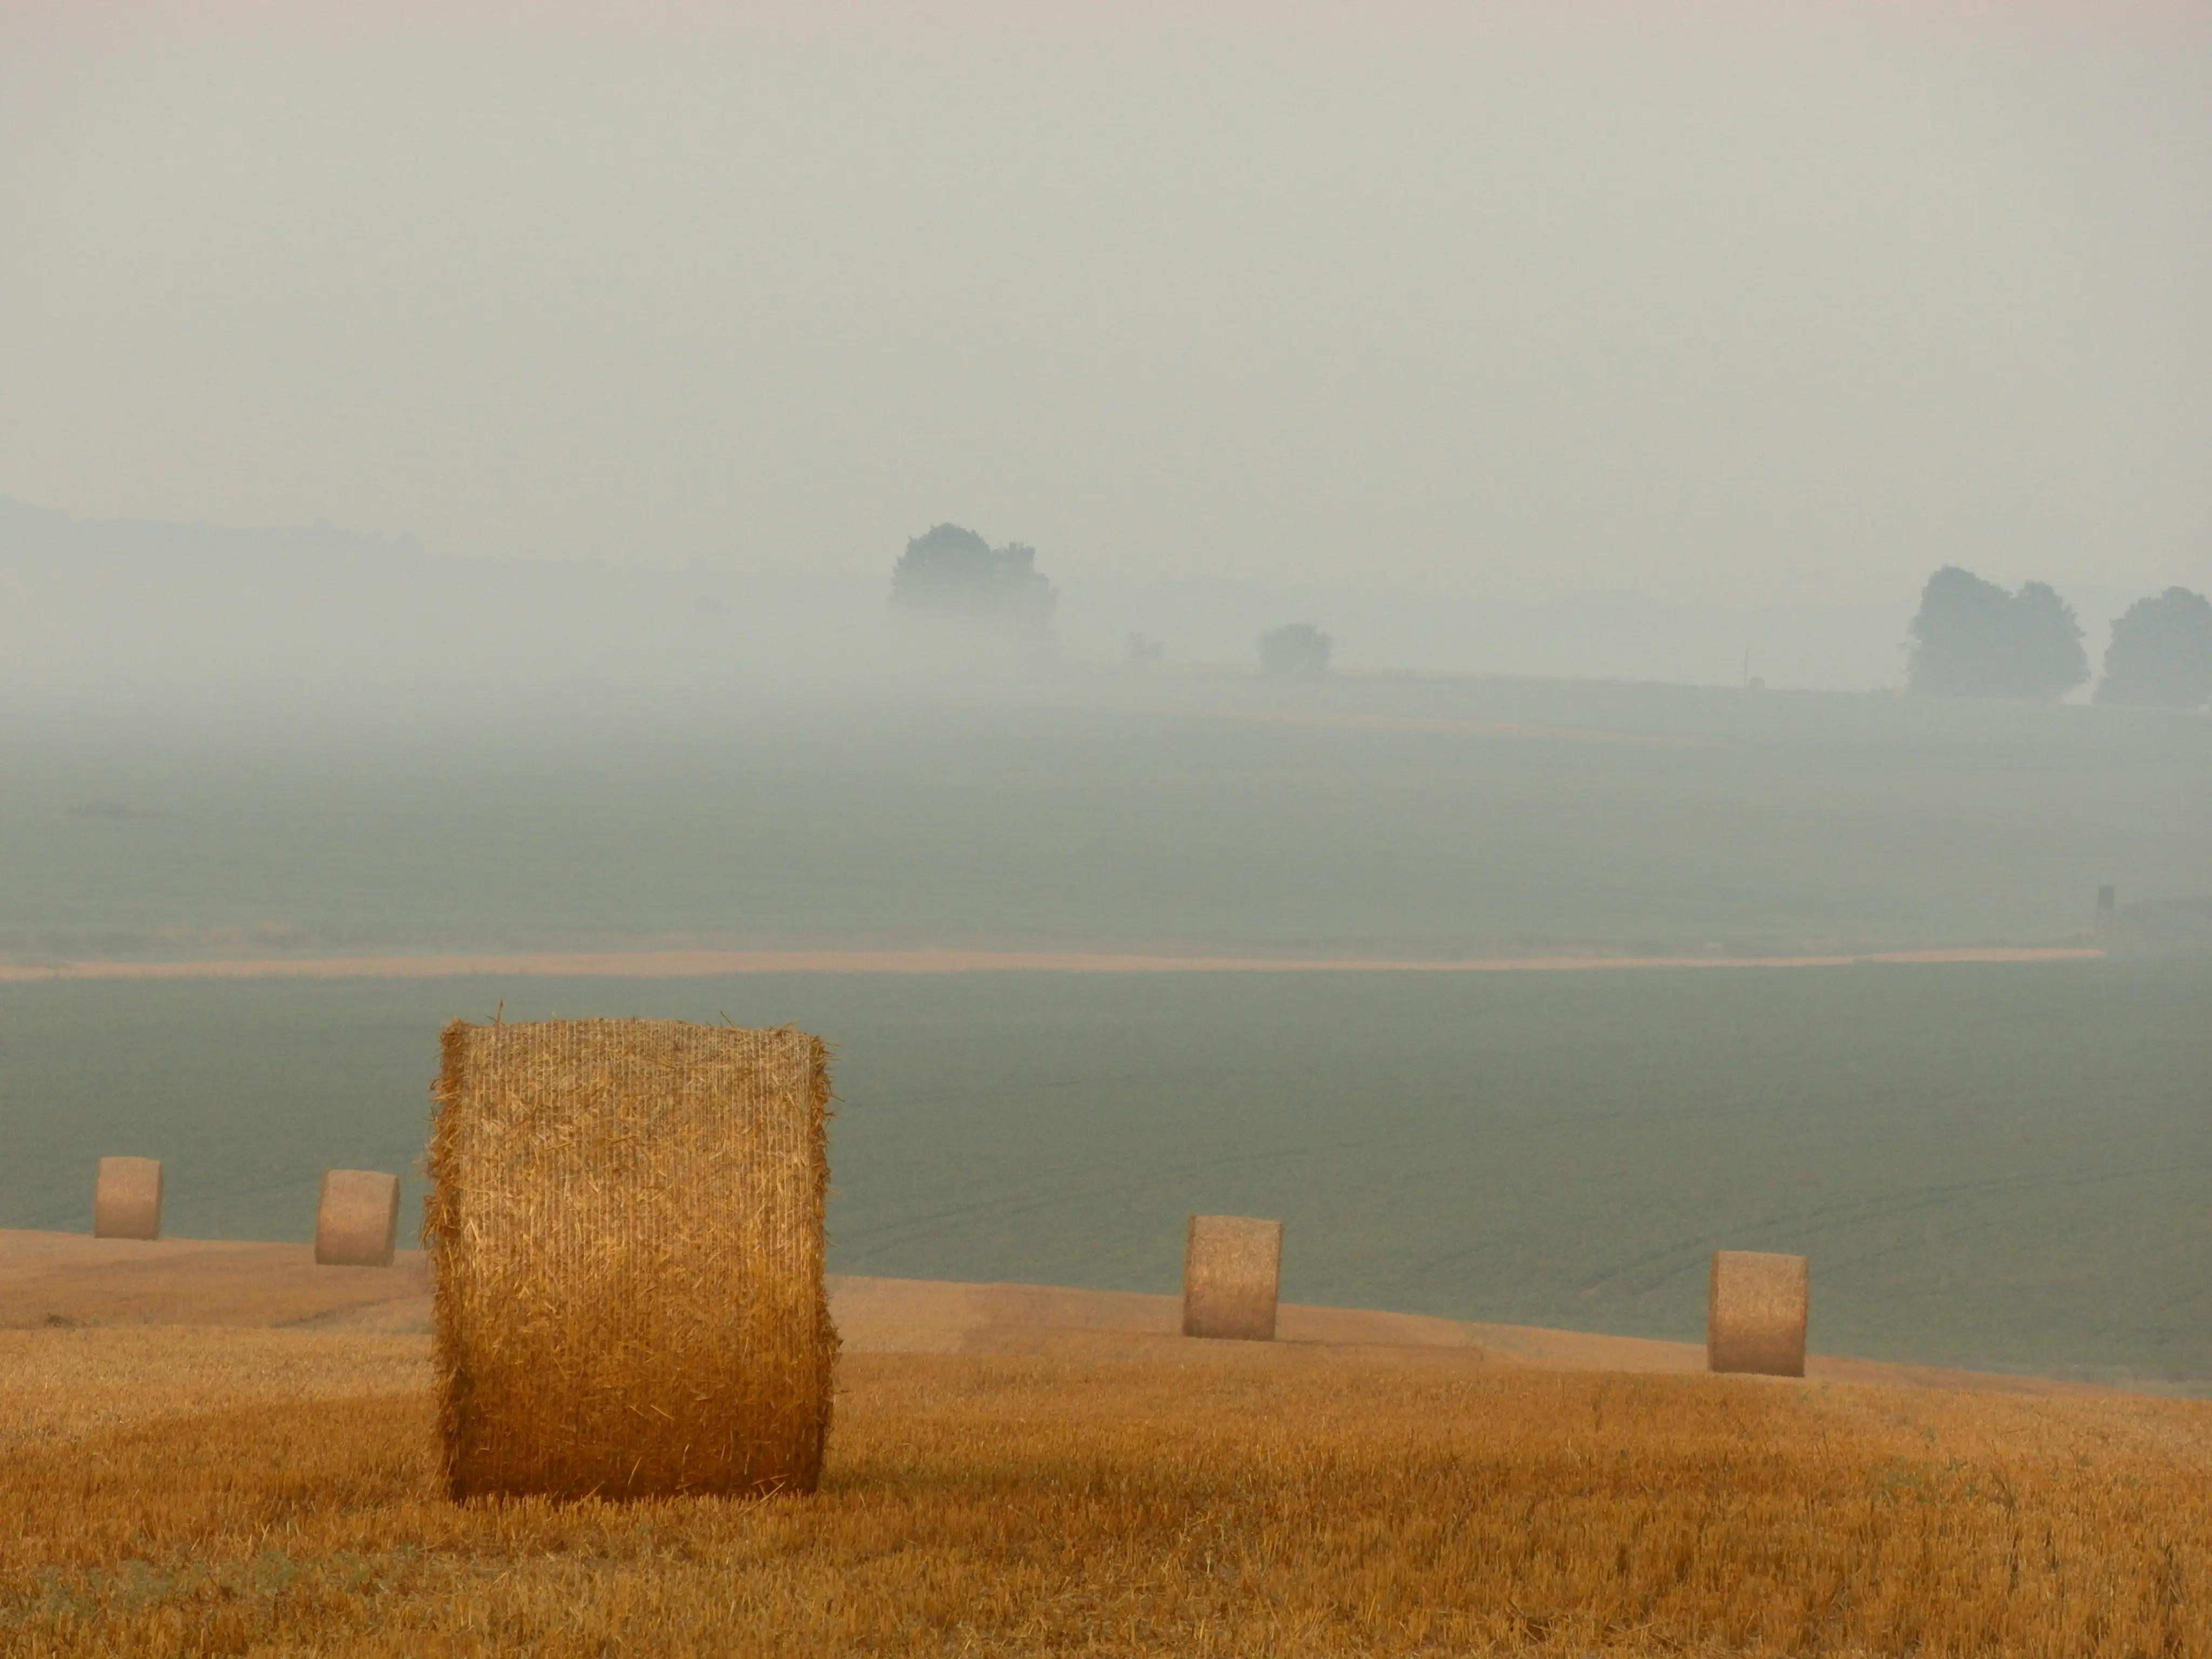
(1407, 484)
(104, 613)
(1597, 341)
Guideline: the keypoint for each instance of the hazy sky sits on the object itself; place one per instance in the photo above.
(1788, 306)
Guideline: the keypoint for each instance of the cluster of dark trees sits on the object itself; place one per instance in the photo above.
(1295, 651)
(951, 575)
(1972, 639)
(2161, 656)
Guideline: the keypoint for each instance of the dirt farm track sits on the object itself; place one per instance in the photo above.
(676, 964)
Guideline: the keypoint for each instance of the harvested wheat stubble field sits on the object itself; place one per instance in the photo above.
(225, 1491)
(68, 1280)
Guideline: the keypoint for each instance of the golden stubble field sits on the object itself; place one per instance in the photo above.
(182, 1491)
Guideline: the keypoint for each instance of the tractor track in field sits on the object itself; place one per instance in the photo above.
(689, 965)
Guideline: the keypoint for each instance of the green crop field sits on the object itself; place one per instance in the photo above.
(1403, 817)
(1988, 1165)
(1998, 1165)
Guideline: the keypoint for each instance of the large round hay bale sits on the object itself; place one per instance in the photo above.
(1756, 1312)
(126, 1198)
(357, 1218)
(1231, 1268)
(625, 1226)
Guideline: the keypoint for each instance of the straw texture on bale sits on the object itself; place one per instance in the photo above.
(1756, 1312)
(1232, 1267)
(126, 1199)
(357, 1219)
(625, 1226)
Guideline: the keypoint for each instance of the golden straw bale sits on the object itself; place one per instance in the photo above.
(357, 1219)
(1756, 1312)
(1231, 1267)
(625, 1227)
(126, 1199)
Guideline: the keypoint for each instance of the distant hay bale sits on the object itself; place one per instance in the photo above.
(1231, 1270)
(625, 1227)
(357, 1218)
(1756, 1312)
(126, 1199)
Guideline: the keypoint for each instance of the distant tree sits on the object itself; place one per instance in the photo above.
(1971, 639)
(1296, 651)
(1141, 651)
(953, 575)
(2161, 654)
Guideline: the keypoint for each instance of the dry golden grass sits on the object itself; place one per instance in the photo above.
(1332, 1502)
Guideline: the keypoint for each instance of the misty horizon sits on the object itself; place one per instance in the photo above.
(307, 604)
(1746, 315)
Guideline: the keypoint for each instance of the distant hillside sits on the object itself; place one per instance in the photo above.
(28, 529)
(106, 608)
(95, 609)
(1598, 636)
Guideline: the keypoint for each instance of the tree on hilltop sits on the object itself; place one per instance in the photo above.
(1971, 639)
(2160, 653)
(953, 575)
(1295, 651)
